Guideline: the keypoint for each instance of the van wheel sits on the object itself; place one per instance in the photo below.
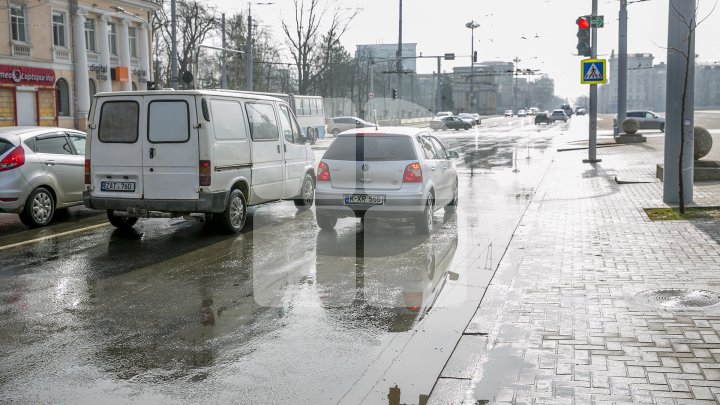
(233, 218)
(39, 208)
(307, 193)
(121, 222)
(424, 221)
(335, 132)
(311, 135)
(325, 222)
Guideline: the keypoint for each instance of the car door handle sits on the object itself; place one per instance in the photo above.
(50, 163)
(278, 148)
(152, 153)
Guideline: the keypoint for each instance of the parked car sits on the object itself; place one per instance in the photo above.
(558, 115)
(394, 172)
(508, 113)
(567, 109)
(542, 117)
(173, 153)
(41, 170)
(478, 119)
(467, 118)
(336, 125)
(451, 122)
(580, 111)
(521, 113)
(647, 119)
(533, 110)
(441, 114)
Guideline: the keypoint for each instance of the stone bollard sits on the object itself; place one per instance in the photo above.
(703, 142)
(630, 126)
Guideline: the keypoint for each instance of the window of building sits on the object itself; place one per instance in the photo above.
(18, 23)
(92, 87)
(132, 35)
(90, 35)
(111, 39)
(58, 24)
(63, 98)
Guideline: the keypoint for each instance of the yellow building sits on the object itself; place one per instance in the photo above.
(54, 55)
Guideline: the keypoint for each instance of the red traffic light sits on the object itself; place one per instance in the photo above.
(583, 22)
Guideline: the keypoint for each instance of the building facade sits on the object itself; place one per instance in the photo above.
(55, 55)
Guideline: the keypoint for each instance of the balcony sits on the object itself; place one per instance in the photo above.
(62, 55)
(93, 58)
(22, 50)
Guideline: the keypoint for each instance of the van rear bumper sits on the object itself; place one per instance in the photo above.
(206, 203)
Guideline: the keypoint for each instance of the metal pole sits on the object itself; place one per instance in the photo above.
(592, 144)
(678, 116)
(223, 79)
(438, 90)
(622, 68)
(399, 63)
(249, 68)
(173, 51)
(372, 87)
(472, 66)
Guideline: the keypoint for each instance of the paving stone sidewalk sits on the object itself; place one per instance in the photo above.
(562, 321)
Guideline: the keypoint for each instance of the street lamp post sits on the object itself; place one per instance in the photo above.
(516, 72)
(249, 68)
(472, 25)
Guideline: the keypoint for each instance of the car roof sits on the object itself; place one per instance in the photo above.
(30, 131)
(170, 92)
(408, 131)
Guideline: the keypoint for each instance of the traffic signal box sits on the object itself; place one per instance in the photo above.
(584, 45)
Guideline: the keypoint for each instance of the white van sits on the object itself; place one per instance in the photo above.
(173, 153)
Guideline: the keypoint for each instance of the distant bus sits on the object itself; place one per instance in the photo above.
(308, 110)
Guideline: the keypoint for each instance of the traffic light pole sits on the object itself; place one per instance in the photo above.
(592, 143)
(622, 68)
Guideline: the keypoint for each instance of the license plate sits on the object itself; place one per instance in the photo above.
(124, 186)
(364, 199)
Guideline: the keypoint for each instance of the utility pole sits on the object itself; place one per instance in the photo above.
(223, 79)
(622, 68)
(173, 50)
(399, 66)
(472, 25)
(592, 144)
(249, 67)
(679, 119)
(438, 96)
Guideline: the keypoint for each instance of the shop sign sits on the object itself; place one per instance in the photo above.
(20, 75)
(141, 74)
(100, 71)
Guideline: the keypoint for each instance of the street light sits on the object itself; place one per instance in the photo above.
(249, 43)
(472, 25)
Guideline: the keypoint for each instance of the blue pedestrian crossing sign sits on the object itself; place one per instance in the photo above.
(593, 71)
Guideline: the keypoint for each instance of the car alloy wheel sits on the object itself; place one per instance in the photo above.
(307, 193)
(39, 208)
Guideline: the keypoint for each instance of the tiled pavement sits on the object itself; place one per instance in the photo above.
(561, 321)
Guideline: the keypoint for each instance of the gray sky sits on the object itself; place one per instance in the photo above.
(548, 26)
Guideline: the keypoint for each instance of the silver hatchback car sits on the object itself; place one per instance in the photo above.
(386, 172)
(41, 169)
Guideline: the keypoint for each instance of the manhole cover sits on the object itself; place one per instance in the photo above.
(680, 298)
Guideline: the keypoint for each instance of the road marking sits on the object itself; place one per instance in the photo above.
(57, 235)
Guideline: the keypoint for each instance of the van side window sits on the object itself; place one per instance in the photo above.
(228, 120)
(289, 127)
(263, 125)
(168, 121)
(118, 122)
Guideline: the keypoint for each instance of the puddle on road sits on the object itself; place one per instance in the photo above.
(501, 370)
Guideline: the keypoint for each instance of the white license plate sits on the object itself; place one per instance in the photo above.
(124, 186)
(364, 199)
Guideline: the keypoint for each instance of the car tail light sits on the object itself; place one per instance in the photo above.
(323, 172)
(87, 172)
(413, 301)
(413, 173)
(14, 159)
(204, 172)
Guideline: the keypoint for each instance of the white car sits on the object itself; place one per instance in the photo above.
(646, 119)
(388, 172)
(41, 170)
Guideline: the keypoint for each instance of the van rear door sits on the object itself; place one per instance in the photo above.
(116, 147)
(170, 149)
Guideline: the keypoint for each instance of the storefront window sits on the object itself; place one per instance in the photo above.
(92, 87)
(58, 22)
(63, 98)
(90, 35)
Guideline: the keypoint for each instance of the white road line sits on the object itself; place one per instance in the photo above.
(57, 235)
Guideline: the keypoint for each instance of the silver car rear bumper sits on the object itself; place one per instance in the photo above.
(396, 204)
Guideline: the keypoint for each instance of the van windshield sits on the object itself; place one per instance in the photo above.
(371, 147)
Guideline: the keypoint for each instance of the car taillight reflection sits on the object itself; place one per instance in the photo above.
(14, 159)
(323, 172)
(413, 173)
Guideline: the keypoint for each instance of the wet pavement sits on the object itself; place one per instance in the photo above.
(177, 312)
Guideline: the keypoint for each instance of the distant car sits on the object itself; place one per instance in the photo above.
(336, 125)
(542, 117)
(467, 118)
(558, 115)
(41, 170)
(449, 123)
(478, 119)
(444, 114)
(521, 113)
(508, 113)
(392, 172)
(580, 111)
(647, 119)
(567, 109)
(534, 110)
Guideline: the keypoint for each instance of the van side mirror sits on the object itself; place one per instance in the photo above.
(453, 154)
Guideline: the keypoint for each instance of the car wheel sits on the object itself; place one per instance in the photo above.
(233, 218)
(452, 205)
(424, 221)
(307, 193)
(467, 127)
(325, 222)
(444, 127)
(311, 135)
(39, 208)
(335, 131)
(662, 127)
(121, 222)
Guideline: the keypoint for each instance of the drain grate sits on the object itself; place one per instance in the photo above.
(680, 298)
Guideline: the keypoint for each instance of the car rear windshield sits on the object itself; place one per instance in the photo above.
(5, 146)
(371, 147)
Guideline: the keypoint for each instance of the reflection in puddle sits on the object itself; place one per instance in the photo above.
(500, 370)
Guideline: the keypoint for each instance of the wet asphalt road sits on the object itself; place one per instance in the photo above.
(177, 312)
